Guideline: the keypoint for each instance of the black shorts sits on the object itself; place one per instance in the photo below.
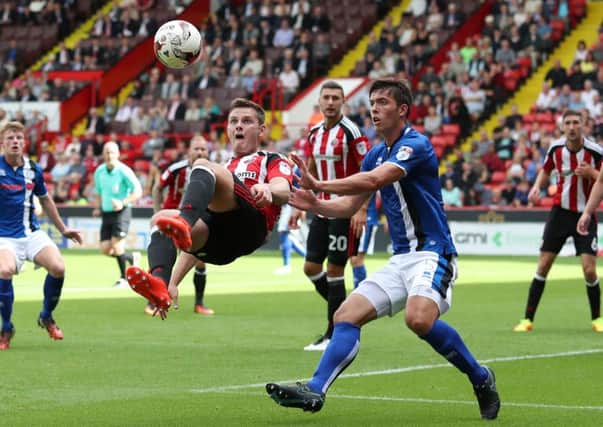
(560, 225)
(235, 233)
(115, 224)
(329, 238)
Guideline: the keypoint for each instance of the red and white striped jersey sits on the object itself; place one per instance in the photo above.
(259, 168)
(337, 152)
(572, 190)
(174, 177)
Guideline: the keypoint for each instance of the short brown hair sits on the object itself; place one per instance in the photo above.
(332, 84)
(246, 103)
(571, 113)
(14, 126)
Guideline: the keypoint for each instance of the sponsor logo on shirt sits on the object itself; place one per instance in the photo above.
(246, 175)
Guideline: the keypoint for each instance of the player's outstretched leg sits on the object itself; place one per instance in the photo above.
(296, 396)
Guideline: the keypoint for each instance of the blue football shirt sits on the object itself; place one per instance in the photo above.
(17, 189)
(413, 205)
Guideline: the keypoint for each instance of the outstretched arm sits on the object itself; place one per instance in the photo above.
(341, 207)
(361, 182)
(51, 211)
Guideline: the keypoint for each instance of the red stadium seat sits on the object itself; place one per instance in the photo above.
(498, 177)
(450, 140)
(438, 141)
(451, 129)
(545, 117)
(529, 118)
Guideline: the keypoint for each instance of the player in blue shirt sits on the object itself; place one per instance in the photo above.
(20, 236)
(418, 277)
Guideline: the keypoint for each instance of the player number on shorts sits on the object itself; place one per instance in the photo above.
(338, 243)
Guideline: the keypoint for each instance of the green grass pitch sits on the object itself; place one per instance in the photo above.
(117, 367)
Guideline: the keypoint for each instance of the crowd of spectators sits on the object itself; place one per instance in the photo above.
(501, 168)
(285, 40)
(479, 74)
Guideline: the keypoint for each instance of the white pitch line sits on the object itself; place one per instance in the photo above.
(466, 402)
(444, 401)
(411, 369)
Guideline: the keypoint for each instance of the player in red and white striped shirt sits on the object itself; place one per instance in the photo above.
(335, 149)
(225, 212)
(575, 160)
(167, 194)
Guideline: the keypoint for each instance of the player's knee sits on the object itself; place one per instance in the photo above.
(311, 269)
(590, 272)
(57, 268)
(418, 322)
(6, 272)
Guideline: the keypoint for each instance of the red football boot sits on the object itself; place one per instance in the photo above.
(178, 230)
(5, 337)
(51, 327)
(150, 287)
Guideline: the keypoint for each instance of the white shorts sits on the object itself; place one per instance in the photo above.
(283, 220)
(426, 274)
(26, 248)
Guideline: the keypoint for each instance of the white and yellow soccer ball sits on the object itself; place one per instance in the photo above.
(178, 44)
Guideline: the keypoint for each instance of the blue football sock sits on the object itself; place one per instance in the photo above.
(297, 246)
(359, 274)
(340, 352)
(7, 297)
(285, 247)
(447, 341)
(52, 293)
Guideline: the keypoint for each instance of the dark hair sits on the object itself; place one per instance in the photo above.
(397, 89)
(571, 113)
(331, 84)
(245, 103)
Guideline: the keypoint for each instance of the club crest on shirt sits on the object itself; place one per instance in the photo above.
(284, 168)
(334, 142)
(404, 153)
(29, 174)
(2, 172)
(361, 148)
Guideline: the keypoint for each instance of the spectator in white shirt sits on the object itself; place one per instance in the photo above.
(290, 81)
(475, 98)
(546, 97)
(126, 111)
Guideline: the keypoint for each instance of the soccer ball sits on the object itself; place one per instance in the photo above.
(178, 44)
